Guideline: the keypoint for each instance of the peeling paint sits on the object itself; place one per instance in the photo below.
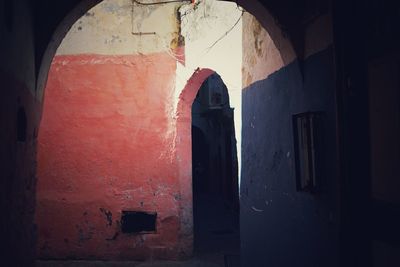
(104, 117)
(108, 215)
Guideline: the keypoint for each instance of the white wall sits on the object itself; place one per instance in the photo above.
(213, 37)
(112, 28)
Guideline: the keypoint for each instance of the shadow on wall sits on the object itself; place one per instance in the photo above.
(275, 218)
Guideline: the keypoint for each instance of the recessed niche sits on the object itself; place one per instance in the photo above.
(138, 222)
(21, 125)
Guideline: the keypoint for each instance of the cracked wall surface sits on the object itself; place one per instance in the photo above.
(106, 141)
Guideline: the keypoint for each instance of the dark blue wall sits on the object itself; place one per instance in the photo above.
(280, 226)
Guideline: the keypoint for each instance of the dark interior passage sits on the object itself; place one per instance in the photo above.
(215, 175)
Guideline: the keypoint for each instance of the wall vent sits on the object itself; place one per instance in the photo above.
(138, 222)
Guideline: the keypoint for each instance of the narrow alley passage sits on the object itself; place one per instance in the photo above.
(200, 133)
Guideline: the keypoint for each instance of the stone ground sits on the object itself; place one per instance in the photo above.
(191, 263)
(216, 241)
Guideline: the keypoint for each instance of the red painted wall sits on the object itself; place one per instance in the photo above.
(106, 144)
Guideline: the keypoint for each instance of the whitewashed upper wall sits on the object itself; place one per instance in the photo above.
(113, 27)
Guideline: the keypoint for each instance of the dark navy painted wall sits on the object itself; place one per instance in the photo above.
(280, 226)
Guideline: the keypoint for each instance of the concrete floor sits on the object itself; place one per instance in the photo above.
(212, 260)
(191, 263)
(216, 230)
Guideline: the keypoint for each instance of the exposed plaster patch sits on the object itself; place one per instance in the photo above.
(258, 40)
(261, 57)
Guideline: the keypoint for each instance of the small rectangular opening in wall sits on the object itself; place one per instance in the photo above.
(308, 142)
(138, 222)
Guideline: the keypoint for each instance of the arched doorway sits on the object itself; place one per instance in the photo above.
(215, 172)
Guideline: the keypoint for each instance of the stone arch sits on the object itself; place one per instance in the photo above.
(282, 42)
(61, 31)
(270, 24)
(183, 111)
(184, 151)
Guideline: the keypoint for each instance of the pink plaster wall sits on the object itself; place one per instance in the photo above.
(106, 145)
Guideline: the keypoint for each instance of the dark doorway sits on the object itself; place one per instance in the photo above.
(215, 172)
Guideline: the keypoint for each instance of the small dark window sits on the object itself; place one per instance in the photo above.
(21, 125)
(9, 14)
(308, 133)
(138, 222)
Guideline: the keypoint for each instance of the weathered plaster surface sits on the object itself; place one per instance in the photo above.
(275, 218)
(184, 151)
(118, 27)
(265, 18)
(117, 122)
(275, 88)
(110, 100)
(213, 36)
(104, 147)
(261, 56)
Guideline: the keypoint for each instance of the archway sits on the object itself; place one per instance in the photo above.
(282, 43)
(218, 233)
(215, 172)
(181, 220)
